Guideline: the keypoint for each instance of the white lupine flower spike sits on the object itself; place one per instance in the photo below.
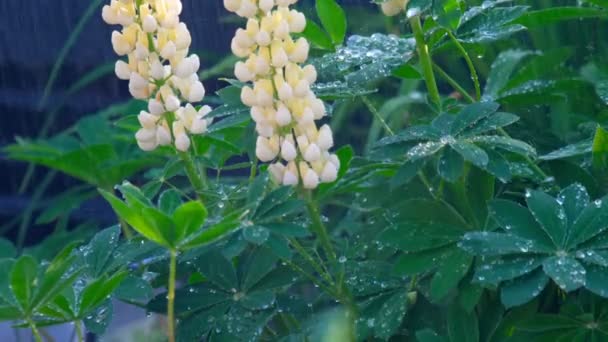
(159, 70)
(283, 106)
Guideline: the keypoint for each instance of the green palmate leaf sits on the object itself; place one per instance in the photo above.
(507, 144)
(590, 222)
(549, 214)
(498, 166)
(471, 153)
(514, 218)
(491, 123)
(98, 321)
(415, 237)
(448, 13)
(99, 251)
(413, 263)
(428, 335)
(135, 219)
(98, 291)
(545, 322)
(134, 290)
(333, 19)
(492, 244)
(497, 270)
(597, 280)
(574, 199)
(414, 133)
(471, 114)
(314, 34)
(188, 218)
(462, 326)
(450, 165)
(169, 200)
(449, 274)
(488, 23)
(391, 314)
(212, 233)
(23, 280)
(523, 289)
(256, 234)
(424, 150)
(556, 14)
(568, 273)
(573, 150)
(502, 69)
(215, 267)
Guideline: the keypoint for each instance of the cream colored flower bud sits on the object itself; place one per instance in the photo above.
(163, 136)
(136, 81)
(279, 56)
(147, 120)
(297, 21)
(156, 107)
(187, 66)
(120, 44)
(157, 70)
(109, 16)
(247, 9)
(263, 38)
(281, 31)
(325, 140)
(197, 92)
(146, 134)
(313, 153)
(283, 116)
(310, 73)
(264, 150)
(232, 5)
(122, 70)
(329, 173)
(302, 88)
(300, 51)
(285, 92)
(393, 7)
(288, 150)
(199, 126)
(183, 39)
(310, 178)
(266, 5)
(277, 171)
(242, 72)
(172, 103)
(318, 108)
(262, 62)
(248, 97)
(168, 50)
(149, 24)
(290, 176)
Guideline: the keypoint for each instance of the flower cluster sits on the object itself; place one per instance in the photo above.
(282, 104)
(393, 7)
(158, 69)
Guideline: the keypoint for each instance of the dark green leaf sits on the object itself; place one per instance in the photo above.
(490, 244)
(391, 314)
(549, 214)
(449, 274)
(523, 289)
(169, 200)
(497, 270)
(471, 153)
(462, 326)
(471, 114)
(514, 218)
(450, 165)
(215, 267)
(256, 234)
(568, 273)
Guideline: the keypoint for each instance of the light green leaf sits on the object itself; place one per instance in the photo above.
(188, 218)
(333, 19)
(23, 280)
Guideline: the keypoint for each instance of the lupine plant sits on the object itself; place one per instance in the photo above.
(439, 177)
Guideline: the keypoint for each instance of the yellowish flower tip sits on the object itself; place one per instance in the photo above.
(159, 70)
(393, 7)
(282, 104)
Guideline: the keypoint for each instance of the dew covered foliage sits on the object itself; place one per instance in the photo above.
(437, 174)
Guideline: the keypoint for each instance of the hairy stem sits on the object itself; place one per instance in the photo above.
(467, 58)
(171, 297)
(453, 83)
(35, 331)
(196, 178)
(425, 61)
(78, 327)
(318, 227)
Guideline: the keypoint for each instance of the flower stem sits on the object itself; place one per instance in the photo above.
(171, 297)
(467, 58)
(78, 327)
(453, 83)
(35, 331)
(377, 115)
(425, 61)
(195, 177)
(318, 227)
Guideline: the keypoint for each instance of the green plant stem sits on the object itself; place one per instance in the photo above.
(196, 178)
(171, 297)
(317, 267)
(78, 327)
(318, 227)
(35, 331)
(453, 83)
(528, 160)
(377, 115)
(425, 61)
(467, 58)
